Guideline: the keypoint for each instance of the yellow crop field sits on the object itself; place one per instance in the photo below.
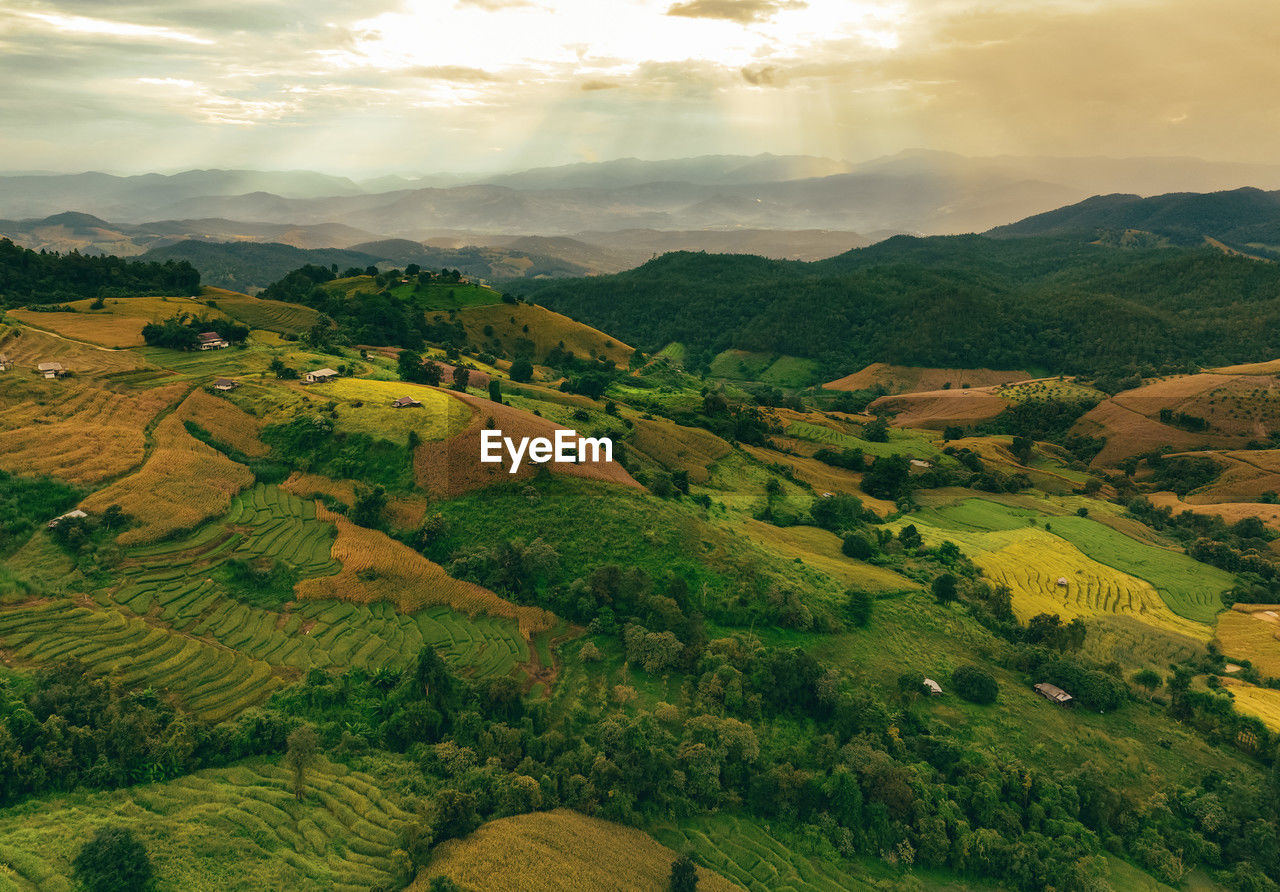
(1252, 637)
(1031, 562)
(103, 329)
(150, 309)
(821, 550)
(308, 486)
(555, 850)
(28, 347)
(227, 422)
(1262, 703)
(75, 431)
(439, 417)
(182, 483)
(376, 567)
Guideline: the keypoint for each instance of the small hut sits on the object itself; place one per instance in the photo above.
(1054, 694)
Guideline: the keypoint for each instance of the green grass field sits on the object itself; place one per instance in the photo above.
(226, 828)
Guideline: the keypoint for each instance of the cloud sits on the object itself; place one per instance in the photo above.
(741, 11)
(452, 73)
(495, 5)
(592, 86)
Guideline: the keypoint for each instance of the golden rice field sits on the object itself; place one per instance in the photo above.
(902, 379)
(1262, 703)
(149, 309)
(226, 421)
(555, 850)
(269, 315)
(76, 431)
(1030, 561)
(182, 484)
(27, 348)
(376, 567)
(677, 448)
(404, 511)
(103, 329)
(1251, 636)
(439, 417)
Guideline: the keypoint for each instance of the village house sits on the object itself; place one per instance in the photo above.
(935, 689)
(68, 516)
(225, 385)
(211, 340)
(320, 375)
(51, 369)
(4, 363)
(1054, 694)
(406, 402)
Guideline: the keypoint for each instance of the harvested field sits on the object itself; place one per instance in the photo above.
(905, 379)
(546, 331)
(1252, 632)
(1129, 432)
(937, 409)
(1231, 512)
(150, 309)
(677, 448)
(227, 422)
(453, 467)
(475, 377)
(1270, 367)
(28, 347)
(376, 568)
(1248, 475)
(181, 484)
(555, 850)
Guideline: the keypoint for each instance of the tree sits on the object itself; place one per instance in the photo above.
(975, 685)
(410, 368)
(856, 546)
(910, 685)
(944, 588)
(1148, 679)
(522, 371)
(876, 431)
(431, 373)
(460, 377)
(1021, 448)
(370, 503)
(304, 745)
(860, 606)
(684, 875)
(113, 861)
(910, 537)
(495, 390)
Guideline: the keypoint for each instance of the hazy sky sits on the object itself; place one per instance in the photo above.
(363, 87)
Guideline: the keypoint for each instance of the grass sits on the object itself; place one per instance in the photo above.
(831, 433)
(227, 828)
(561, 849)
(503, 326)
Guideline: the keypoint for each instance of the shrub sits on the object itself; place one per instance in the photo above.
(975, 685)
(113, 861)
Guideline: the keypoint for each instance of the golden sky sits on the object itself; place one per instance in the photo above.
(364, 87)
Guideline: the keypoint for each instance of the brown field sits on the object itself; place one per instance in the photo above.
(475, 377)
(1247, 475)
(75, 431)
(1231, 512)
(546, 331)
(558, 850)
(96, 328)
(1270, 367)
(677, 448)
(1129, 432)
(227, 422)
(28, 347)
(1252, 632)
(376, 567)
(936, 409)
(905, 379)
(182, 483)
(452, 467)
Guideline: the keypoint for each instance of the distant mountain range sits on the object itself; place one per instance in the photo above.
(916, 191)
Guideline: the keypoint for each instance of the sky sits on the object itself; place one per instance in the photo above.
(369, 87)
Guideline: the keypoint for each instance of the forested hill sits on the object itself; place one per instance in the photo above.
(1247, 219)
(1061, 305)
(43, 277)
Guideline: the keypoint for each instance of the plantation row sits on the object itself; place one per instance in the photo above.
(237, 827)
(214, 683)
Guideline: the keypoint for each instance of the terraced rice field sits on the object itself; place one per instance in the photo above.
(1031, 560)
(561, 849)
(744, 852)
(1262, 703)
(227, 422)
(227, 828)
(271, 315)
(211, 681)
(76, 431)
(104, 329)
(28, 347)
(182, 483)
